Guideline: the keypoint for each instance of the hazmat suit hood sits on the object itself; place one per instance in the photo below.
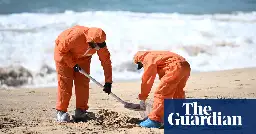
(139, 56)
(96, 35)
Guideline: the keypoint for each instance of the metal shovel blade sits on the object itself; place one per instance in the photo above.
(135, 107)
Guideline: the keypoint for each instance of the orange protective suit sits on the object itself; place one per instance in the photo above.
(71, 48)
(173, 71)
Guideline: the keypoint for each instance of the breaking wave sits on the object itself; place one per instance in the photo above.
(209, 42)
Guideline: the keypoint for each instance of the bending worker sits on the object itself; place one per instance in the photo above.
(73, 50)
(173, 71)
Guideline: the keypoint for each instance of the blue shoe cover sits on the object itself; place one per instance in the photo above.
(150, 124)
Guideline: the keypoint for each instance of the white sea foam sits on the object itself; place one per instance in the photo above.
(208, 42)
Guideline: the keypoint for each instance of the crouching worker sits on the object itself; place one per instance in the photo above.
(173, 71)
(74, 48)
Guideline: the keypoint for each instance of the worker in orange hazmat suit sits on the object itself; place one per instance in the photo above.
(173, 71)
(74, 48)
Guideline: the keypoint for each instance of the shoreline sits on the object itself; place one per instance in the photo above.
(139, 79)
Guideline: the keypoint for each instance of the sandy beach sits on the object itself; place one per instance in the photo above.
(33, 110)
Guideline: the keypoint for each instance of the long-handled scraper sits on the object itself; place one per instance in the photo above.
(126, 104)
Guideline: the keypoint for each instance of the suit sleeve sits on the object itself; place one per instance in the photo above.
(104, 57)
(148, 77)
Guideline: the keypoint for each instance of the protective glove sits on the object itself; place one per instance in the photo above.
(76, 68)
(140, 65)
(107, 87)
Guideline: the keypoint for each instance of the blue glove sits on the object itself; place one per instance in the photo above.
(76, 68)
(107, 87)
